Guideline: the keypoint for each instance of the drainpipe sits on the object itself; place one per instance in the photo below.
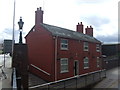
(56, 40)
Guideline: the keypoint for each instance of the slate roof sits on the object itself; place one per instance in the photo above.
(66, 33)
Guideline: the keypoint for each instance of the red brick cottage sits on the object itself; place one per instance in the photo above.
(57, 53)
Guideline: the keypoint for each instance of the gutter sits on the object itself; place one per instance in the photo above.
(56, 40)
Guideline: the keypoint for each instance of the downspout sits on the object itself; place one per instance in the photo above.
(56, 40)
(101, 61)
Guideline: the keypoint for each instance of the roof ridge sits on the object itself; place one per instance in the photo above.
(58, 27)
(64, 28)
(67, 33)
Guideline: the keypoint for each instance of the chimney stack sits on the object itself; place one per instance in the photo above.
(38, 16)
(89, 31)
(79, 27)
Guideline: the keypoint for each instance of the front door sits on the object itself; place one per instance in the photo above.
(76, 67)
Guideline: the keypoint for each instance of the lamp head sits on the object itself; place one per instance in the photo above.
(20, 23)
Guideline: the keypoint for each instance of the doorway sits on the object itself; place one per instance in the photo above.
(76, 67)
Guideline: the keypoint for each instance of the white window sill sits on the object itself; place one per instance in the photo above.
(98, 66)
(86, 50)
(64, 48)
(64, 71)
(98, 50)
(86, 67)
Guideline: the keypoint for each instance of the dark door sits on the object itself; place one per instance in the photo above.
(76, 67)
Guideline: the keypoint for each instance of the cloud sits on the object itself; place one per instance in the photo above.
(101, 14)
(96, 20)
(108, 39)
(90, 1)
(7, 34)
(7, 31)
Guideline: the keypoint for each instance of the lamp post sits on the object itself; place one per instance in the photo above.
(20, 61)
(20, 23)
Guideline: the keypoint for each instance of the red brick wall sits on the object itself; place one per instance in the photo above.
(41, 52)
(75, 52)
(41, 47)
(89, 31)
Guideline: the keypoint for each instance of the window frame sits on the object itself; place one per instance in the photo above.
(63, 44)
(98, 47)
(61, 65)
(98, 62)
(86, 62)
(86, 45)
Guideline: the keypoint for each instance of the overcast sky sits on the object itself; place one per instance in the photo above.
(102, 15)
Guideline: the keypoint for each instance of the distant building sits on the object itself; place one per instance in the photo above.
(110, 49)
(7, 46)
(57, 53)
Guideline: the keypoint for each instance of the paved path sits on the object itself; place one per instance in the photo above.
(34, 80)
(5, 83)
(111, 81)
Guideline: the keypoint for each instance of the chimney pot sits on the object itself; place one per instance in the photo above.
(79, 27)
(37, 9)
(89, 31)
(81, 23)
(40, 8)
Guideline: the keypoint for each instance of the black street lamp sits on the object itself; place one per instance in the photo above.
(20, 61)
(20, 23)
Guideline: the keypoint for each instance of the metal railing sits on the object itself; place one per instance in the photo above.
(78, 81)
(14, 80)
(40, 70)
